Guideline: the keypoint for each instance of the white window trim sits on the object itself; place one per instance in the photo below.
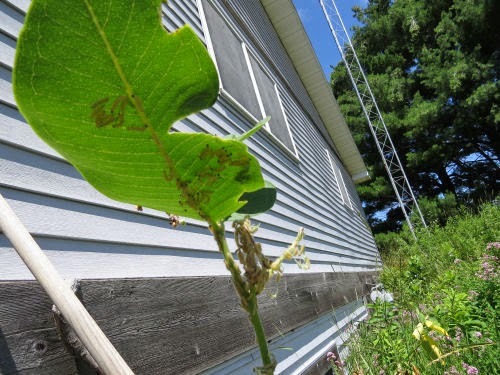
(292, 152)
(254, 82)
(286, 119)
(339, 179)
(223, 92)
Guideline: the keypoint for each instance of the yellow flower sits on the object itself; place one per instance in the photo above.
(431, 325)
(417, 333)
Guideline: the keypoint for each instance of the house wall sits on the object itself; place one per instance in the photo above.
(89, 236)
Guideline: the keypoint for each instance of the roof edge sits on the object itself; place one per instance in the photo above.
(287, 23)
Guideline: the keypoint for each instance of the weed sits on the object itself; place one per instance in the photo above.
(447, 292)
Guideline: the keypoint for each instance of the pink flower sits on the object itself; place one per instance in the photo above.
(489, 267)
(493, 244)
(330, 356)
(457, 261)
(472, 294)
(471, 370)
(423, 308)
(478, 334)
(434, 336)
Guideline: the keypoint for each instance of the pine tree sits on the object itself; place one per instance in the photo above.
(433, 66)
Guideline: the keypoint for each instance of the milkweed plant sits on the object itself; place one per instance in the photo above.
(102, 83)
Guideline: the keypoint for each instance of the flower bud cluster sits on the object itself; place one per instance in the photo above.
(258, 268)
(249, 253)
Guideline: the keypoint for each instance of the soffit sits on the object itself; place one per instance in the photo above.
(288, 25)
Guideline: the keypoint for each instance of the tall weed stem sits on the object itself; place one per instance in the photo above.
(248, 297)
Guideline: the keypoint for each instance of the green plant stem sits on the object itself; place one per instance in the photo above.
(253, 312)
(248, 298)
(238, 282)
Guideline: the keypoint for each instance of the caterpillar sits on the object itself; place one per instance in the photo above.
(116, 115)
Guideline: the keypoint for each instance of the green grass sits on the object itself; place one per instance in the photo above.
(449, 282)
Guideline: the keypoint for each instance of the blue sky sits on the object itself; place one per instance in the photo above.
(319, 33)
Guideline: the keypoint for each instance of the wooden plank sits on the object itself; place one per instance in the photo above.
(105, 356)
(167, 325)
(29, 342)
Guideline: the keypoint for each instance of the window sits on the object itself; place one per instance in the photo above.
(231, 64)
(243, 79)
(271, 105)
(337, 173)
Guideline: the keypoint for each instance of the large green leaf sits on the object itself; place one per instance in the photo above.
(102, 83)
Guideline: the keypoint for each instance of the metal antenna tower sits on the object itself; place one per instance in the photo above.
(390, 158)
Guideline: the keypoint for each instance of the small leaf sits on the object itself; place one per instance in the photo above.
(257, 202)
(105, 93)
(249, 133)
